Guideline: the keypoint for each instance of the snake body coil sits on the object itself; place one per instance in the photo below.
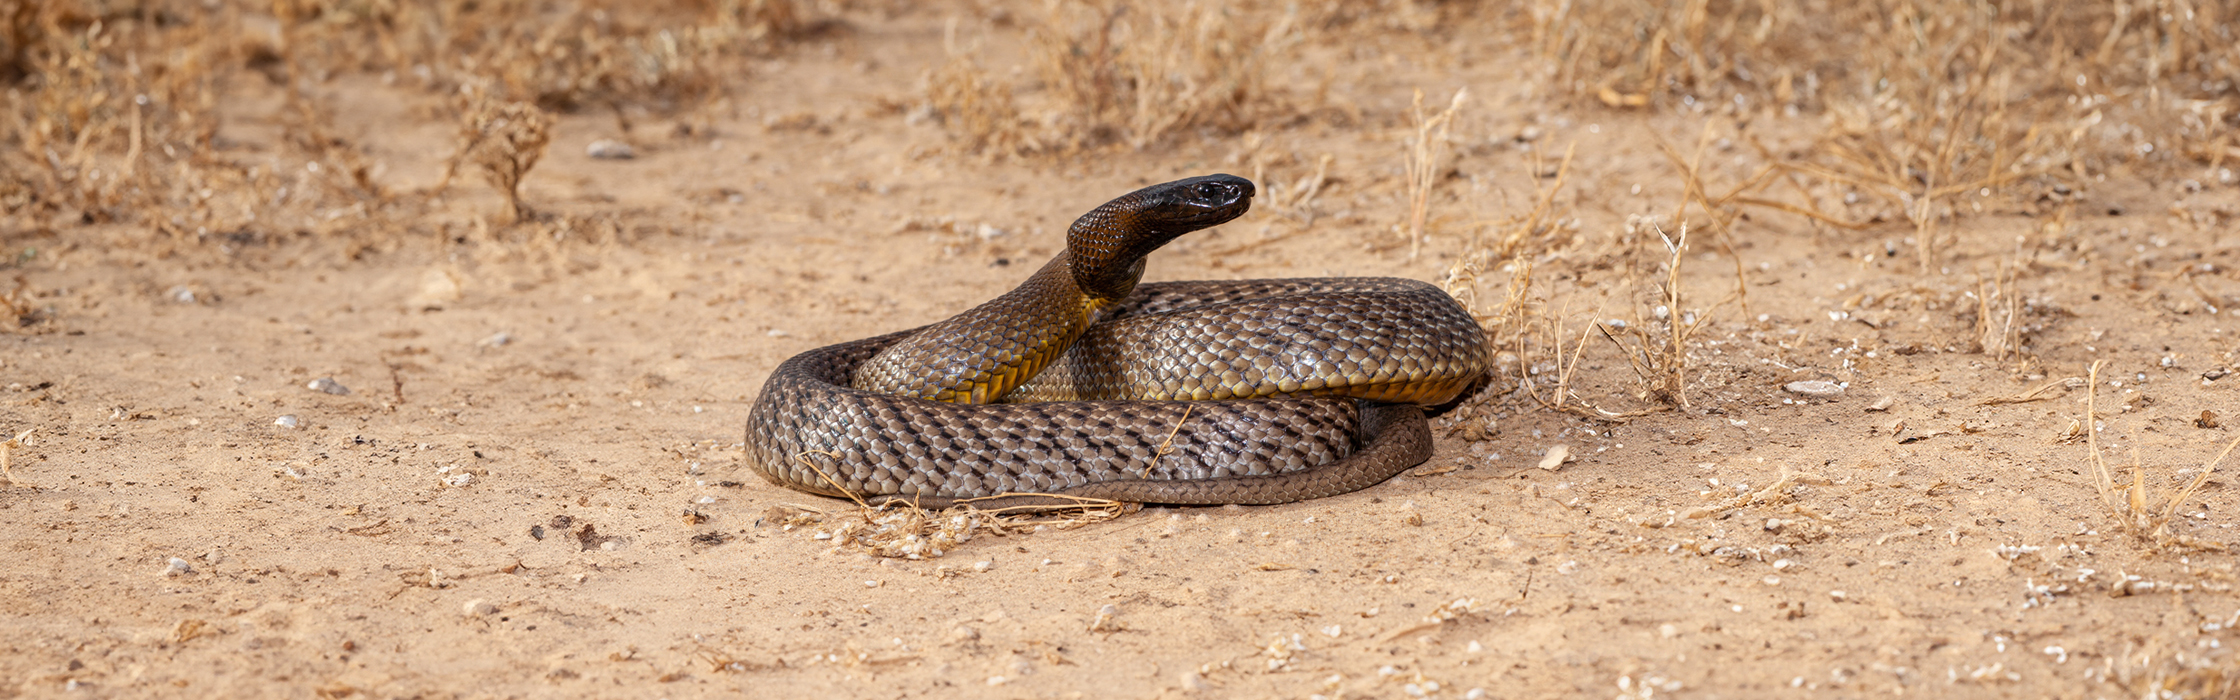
(1080, 382)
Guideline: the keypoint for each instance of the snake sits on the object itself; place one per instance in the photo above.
(1086, 383)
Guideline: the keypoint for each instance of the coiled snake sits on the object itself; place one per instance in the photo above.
(1084, 384)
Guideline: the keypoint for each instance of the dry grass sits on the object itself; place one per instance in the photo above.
(978, 110)
(2134, 506)
(112, 113)
(1136, 75)
(1999, 322)
(1425, 149)
(1658, 351)
(564, 58)
(1923, 103)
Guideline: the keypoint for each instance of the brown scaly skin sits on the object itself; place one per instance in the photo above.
(980, 355)
(1312, 361)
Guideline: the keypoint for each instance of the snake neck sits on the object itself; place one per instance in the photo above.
(1106, 246)
(978, 356)
(982, 354)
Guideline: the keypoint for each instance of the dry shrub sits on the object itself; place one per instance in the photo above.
(1698, 53)
(1923, 102)
(21, 305)
(1142, 73)
(110, 115)
(598, 53)
(977, 110)
(504, 140)
(1135, 75)
(111, 110)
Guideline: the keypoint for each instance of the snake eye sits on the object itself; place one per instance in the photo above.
(1209, 190)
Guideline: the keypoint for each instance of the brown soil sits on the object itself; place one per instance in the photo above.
(534, 487)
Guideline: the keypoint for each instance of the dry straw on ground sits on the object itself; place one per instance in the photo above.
(2133, 506)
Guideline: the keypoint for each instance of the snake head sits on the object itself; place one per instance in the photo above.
(1107, 244)
(1196, 203)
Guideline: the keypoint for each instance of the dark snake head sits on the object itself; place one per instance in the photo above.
(1107, 244)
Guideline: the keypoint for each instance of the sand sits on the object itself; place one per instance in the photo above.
(533, 486)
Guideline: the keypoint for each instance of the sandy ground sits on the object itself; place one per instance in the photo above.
(533, 487)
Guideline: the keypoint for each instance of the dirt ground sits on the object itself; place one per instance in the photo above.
(533, 486)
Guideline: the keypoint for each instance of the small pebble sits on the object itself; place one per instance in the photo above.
(479, 608)
(498, 340)
(288, 421)
(1192, 682)
(177, 567)
(1555, 457)
(1815, 388)
(180, 294)
(328, 385)
(1883, 404)
(609, 149)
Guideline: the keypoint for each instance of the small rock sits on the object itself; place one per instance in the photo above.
(1814, 388)
(438, 287)
(479, 608)
(177, 567)
(1555, 457)
(1192, 682)
(1883, 404)
(610, 149)
(288, 421)
(181, 294)
(495, 341)
(1104, 621)
(328, 385)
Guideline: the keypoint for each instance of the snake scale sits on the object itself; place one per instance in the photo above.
(1083, 383)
